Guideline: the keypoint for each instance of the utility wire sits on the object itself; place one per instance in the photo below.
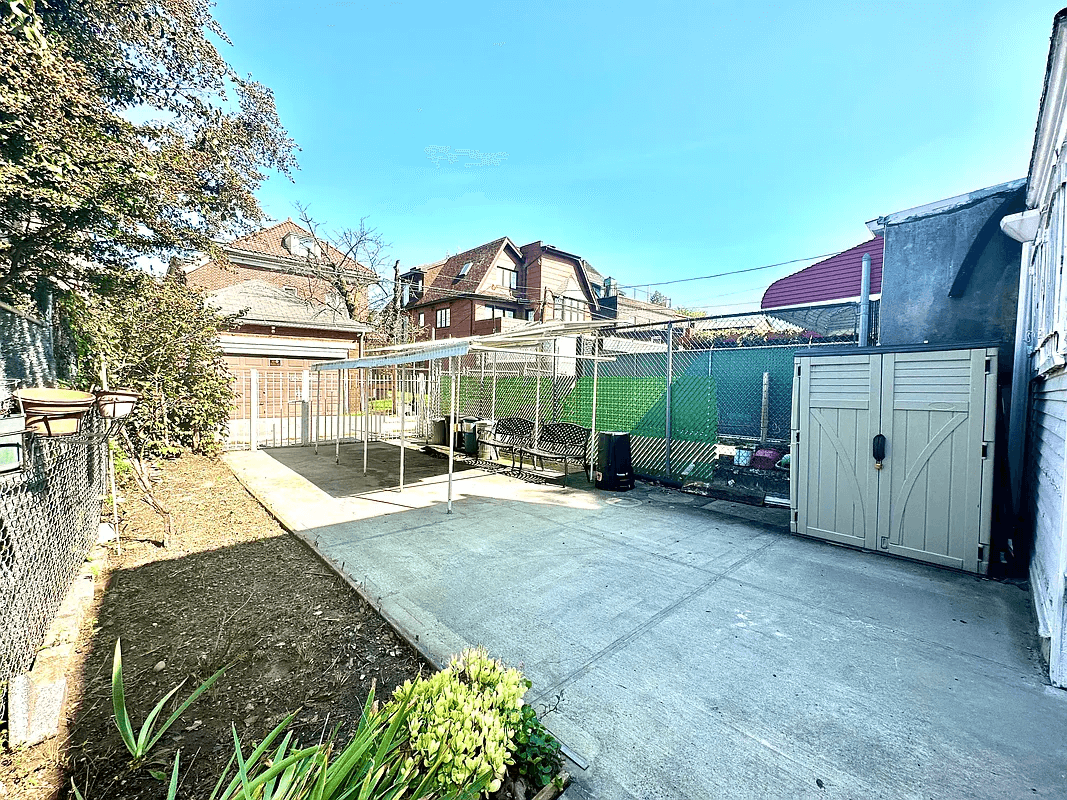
(731, 272)
(447, 292)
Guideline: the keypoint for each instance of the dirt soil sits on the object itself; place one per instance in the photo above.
(231, 588)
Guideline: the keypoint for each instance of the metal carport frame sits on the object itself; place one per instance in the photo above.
(512, 342)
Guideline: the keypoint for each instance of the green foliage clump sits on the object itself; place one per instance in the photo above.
(84, 190)
(159, 338)
(461, 719)
(537, 752)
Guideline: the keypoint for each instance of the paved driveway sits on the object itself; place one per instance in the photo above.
(699, 654)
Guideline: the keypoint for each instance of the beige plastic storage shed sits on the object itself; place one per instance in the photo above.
(892, 450)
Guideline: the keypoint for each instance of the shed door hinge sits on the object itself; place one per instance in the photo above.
(798, 370)
(884, 542)
(985, 449)
(988, 365)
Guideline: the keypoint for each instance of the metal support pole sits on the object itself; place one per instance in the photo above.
(305, 408)
(537, 399)
(403, 413)
(865, 302)
(366, 417)
(765, 408)
(552, 407)
(337, 425)
(318, 409)
(667, 413)
(592, 425)
(494, 388)
(451, 426)
(253, 410)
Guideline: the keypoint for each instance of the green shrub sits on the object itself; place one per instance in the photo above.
(460, 720)
(537, 753)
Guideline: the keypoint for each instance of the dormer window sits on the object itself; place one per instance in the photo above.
(509, 278)
(301, 246)
(290, 290)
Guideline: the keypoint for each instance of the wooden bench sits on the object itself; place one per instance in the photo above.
(561, 441)
(511, 433)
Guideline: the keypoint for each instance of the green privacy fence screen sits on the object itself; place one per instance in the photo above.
(713, 395)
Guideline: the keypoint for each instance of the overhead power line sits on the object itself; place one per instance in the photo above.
(445, 293)
(730, 272)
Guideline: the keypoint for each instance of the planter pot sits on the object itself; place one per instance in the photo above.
(116, 403)
(54, 412)
(11, 442)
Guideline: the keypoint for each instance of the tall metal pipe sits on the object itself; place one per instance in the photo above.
(865, 302)
(667, 412)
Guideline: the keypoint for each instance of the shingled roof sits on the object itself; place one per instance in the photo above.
(443, 281)
(834, 278)
(268, 242)
(265, 304)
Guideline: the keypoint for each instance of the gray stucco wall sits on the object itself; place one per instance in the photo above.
(922, 258)
(26, 351)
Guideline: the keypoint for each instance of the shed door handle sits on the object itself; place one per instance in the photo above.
(878, 450)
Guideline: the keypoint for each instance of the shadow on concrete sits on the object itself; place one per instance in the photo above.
(346, 479)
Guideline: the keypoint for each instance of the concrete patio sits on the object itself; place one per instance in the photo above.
(699, 653)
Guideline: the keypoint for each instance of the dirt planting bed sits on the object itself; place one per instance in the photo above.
(231, 588)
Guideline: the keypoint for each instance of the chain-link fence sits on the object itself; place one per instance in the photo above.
(684, 390)
(282, 408)
(49, 518)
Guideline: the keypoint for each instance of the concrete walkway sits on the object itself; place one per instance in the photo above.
(698, 654)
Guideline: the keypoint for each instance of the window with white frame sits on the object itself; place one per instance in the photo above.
(422, 319)
(569, 310)
(444, 317)
(1046, 273)
(509, 278)
(497, 312)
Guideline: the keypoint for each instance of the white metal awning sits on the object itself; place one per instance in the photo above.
(422, 351)
(531, 335)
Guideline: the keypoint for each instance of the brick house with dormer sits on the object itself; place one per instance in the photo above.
(291, 318)
(496, 285)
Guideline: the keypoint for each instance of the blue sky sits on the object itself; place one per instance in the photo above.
(659, 141)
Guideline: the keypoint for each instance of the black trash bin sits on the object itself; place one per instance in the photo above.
(467, 435)
(615, 471)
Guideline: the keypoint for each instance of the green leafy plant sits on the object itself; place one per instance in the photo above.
(84, 189)
(537, 752)
(458, 719)
(146, 738)
(160, 338)
(371, 765)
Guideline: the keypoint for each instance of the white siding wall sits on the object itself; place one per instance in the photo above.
(1041, 361)
(1046, 484)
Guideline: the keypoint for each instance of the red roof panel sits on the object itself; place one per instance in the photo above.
(835, 278)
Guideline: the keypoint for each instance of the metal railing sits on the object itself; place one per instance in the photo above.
(300, 408)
